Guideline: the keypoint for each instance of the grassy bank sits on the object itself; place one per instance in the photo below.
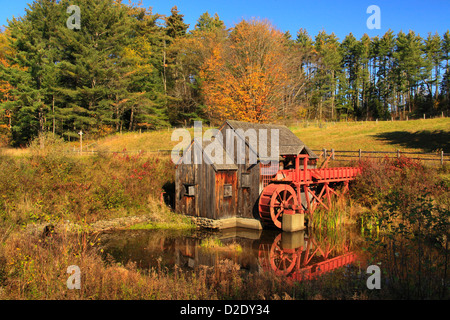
(54, 187)
(406, 222)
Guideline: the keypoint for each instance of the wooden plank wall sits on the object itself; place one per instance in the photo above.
(207, 189)
(209, 200)
(185, 174)
(226, 206)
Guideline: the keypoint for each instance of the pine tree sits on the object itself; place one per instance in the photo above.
(350, 65)
(92, 72)
(186, 55)
(32, 39)
(445, 58)
(175, 26)
(207, 23)
(384, 74)
(433, 56)
(411, 67)
(328, 68)
(5, 87)
(145, 105)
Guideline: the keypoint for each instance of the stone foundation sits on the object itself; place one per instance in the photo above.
(293, 222)
(227, 223)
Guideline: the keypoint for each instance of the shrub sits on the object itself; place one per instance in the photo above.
(409, 205)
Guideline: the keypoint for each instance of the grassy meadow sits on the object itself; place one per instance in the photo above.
(420, 135)
(410, 136)
(413, 136)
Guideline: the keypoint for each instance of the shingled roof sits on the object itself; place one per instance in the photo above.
(225, 164)
(289, 143)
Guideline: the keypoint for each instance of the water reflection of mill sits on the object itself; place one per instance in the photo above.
(300, 255)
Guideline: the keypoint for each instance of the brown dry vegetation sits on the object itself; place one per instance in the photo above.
(36, 268)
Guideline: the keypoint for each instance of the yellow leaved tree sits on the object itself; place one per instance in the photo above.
(246, 76)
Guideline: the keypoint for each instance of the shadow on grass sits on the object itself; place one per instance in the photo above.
(428, 141)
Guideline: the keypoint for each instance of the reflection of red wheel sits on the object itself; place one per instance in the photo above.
(276, 200)
(282, 261)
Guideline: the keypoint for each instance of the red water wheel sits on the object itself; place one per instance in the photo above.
(276, 200)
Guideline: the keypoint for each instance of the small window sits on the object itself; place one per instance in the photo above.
(227, 190)
(245, 180)
(189, 190)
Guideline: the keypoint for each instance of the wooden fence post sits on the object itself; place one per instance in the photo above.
(398, 154)
(442, 157)
(359, 154)
(332, 154)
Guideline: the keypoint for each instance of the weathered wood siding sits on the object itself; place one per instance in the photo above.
(186, 175)
(207, 187)
(248, 194)
(202, 203)
(226, 202)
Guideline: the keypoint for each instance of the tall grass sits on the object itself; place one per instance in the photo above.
(409, 206)
(35, 268)
(50, 186)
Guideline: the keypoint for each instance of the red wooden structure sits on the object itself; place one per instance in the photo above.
(301, 189)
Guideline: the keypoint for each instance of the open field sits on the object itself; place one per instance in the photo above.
(413, 136)
(428, 135)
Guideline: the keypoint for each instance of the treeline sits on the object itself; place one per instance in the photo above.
(128, 68)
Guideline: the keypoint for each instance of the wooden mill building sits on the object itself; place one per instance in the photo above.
(229, 189)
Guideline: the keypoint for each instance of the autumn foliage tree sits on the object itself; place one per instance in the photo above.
(5, 86)
(246, 75)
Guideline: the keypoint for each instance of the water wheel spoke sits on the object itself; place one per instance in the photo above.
(279, 198)
(279, 213)
(289, 199)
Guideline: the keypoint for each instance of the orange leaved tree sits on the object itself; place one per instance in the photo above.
(5, 86)
(245, 77)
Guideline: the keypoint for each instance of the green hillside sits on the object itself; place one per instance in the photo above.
(414, 135)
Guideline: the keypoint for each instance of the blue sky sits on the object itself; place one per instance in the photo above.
(340, 17)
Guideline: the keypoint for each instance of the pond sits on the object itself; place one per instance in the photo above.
(336, 262)
(299, 255)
